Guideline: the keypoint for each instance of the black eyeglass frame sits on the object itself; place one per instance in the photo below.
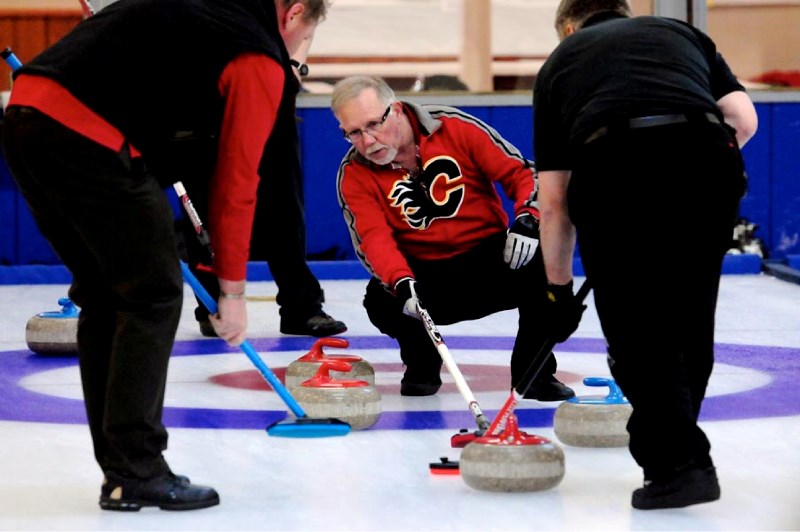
(371, 128)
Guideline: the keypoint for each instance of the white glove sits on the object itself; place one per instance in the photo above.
(406, 290)
(521, 242)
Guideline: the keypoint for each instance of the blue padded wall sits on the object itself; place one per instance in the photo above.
(772, 159)
(757, 203)
(322, 149)
(8, 216)
(784, 212)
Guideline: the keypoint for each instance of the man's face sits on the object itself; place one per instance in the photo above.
(371, 126)
(293, 38)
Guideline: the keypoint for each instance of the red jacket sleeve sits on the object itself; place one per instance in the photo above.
(365, 209)
(252, 87)
(504, 163)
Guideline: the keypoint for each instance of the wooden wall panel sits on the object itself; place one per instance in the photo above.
(6, 38)
(29, 31)
(29, 37)
(758, 37)
(57, 27)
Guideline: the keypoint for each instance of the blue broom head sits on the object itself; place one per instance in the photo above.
(309, 428)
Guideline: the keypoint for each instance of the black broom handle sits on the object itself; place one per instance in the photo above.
(541, 357)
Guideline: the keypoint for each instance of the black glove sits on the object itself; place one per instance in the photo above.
(406, 290)
(563, 312)
(522, 241)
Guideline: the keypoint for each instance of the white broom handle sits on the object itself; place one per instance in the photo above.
(88, 9)
(447, 358)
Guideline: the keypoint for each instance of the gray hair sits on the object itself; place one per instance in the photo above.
(351, 87)
(578, 11)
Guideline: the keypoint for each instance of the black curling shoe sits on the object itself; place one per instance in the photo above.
(413, 389)
(421, 381)
(206, 329)
(548, 388)
(318, 325)
(168, 492)
(687, 487)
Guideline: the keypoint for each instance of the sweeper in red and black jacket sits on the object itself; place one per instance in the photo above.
(127, 99)
(417, 191)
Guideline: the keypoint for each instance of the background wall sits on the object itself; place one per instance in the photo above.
(772, 158)
(754, 35)
(371, 37)
(757, 36)
(29, 26)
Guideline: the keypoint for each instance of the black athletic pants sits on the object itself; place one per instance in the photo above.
(654, 210)
(279, 234)
(469, 286)
(279, 237)
(111, 226)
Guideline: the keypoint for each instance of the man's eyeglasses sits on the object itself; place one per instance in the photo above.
(373, 127)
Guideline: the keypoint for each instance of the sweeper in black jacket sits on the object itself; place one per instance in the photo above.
(96, 126)
(638, 123)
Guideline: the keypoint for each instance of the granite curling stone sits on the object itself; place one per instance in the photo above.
(512, 461)
(54, 332)
(594, 421)
(350, 400)
(307, 365)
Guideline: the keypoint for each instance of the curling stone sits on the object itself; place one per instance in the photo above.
(512, 461)
(350, 400)
(594, 421)
(307, 365)
(54, 332)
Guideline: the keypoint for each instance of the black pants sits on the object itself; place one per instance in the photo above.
(654, 210)
(109, 224)
(469, 286)
(279, 237)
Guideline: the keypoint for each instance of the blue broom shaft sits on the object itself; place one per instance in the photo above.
(251, 353)
(276, 384)
(11, 59)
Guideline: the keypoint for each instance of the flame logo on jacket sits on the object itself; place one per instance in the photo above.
(417, 198)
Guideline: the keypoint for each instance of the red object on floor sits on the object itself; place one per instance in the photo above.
(784, 78)
(444, 467)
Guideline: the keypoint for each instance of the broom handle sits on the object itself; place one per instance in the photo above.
(11, 59)
(87, 8)
(544, 352)
(251, 353)
(202, 235)
(448, 360)
(532, 372)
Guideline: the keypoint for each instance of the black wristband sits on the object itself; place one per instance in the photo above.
(526, 225)
(302, 68)
(558, 293)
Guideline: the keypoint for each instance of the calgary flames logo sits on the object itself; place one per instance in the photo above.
(435, 193)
